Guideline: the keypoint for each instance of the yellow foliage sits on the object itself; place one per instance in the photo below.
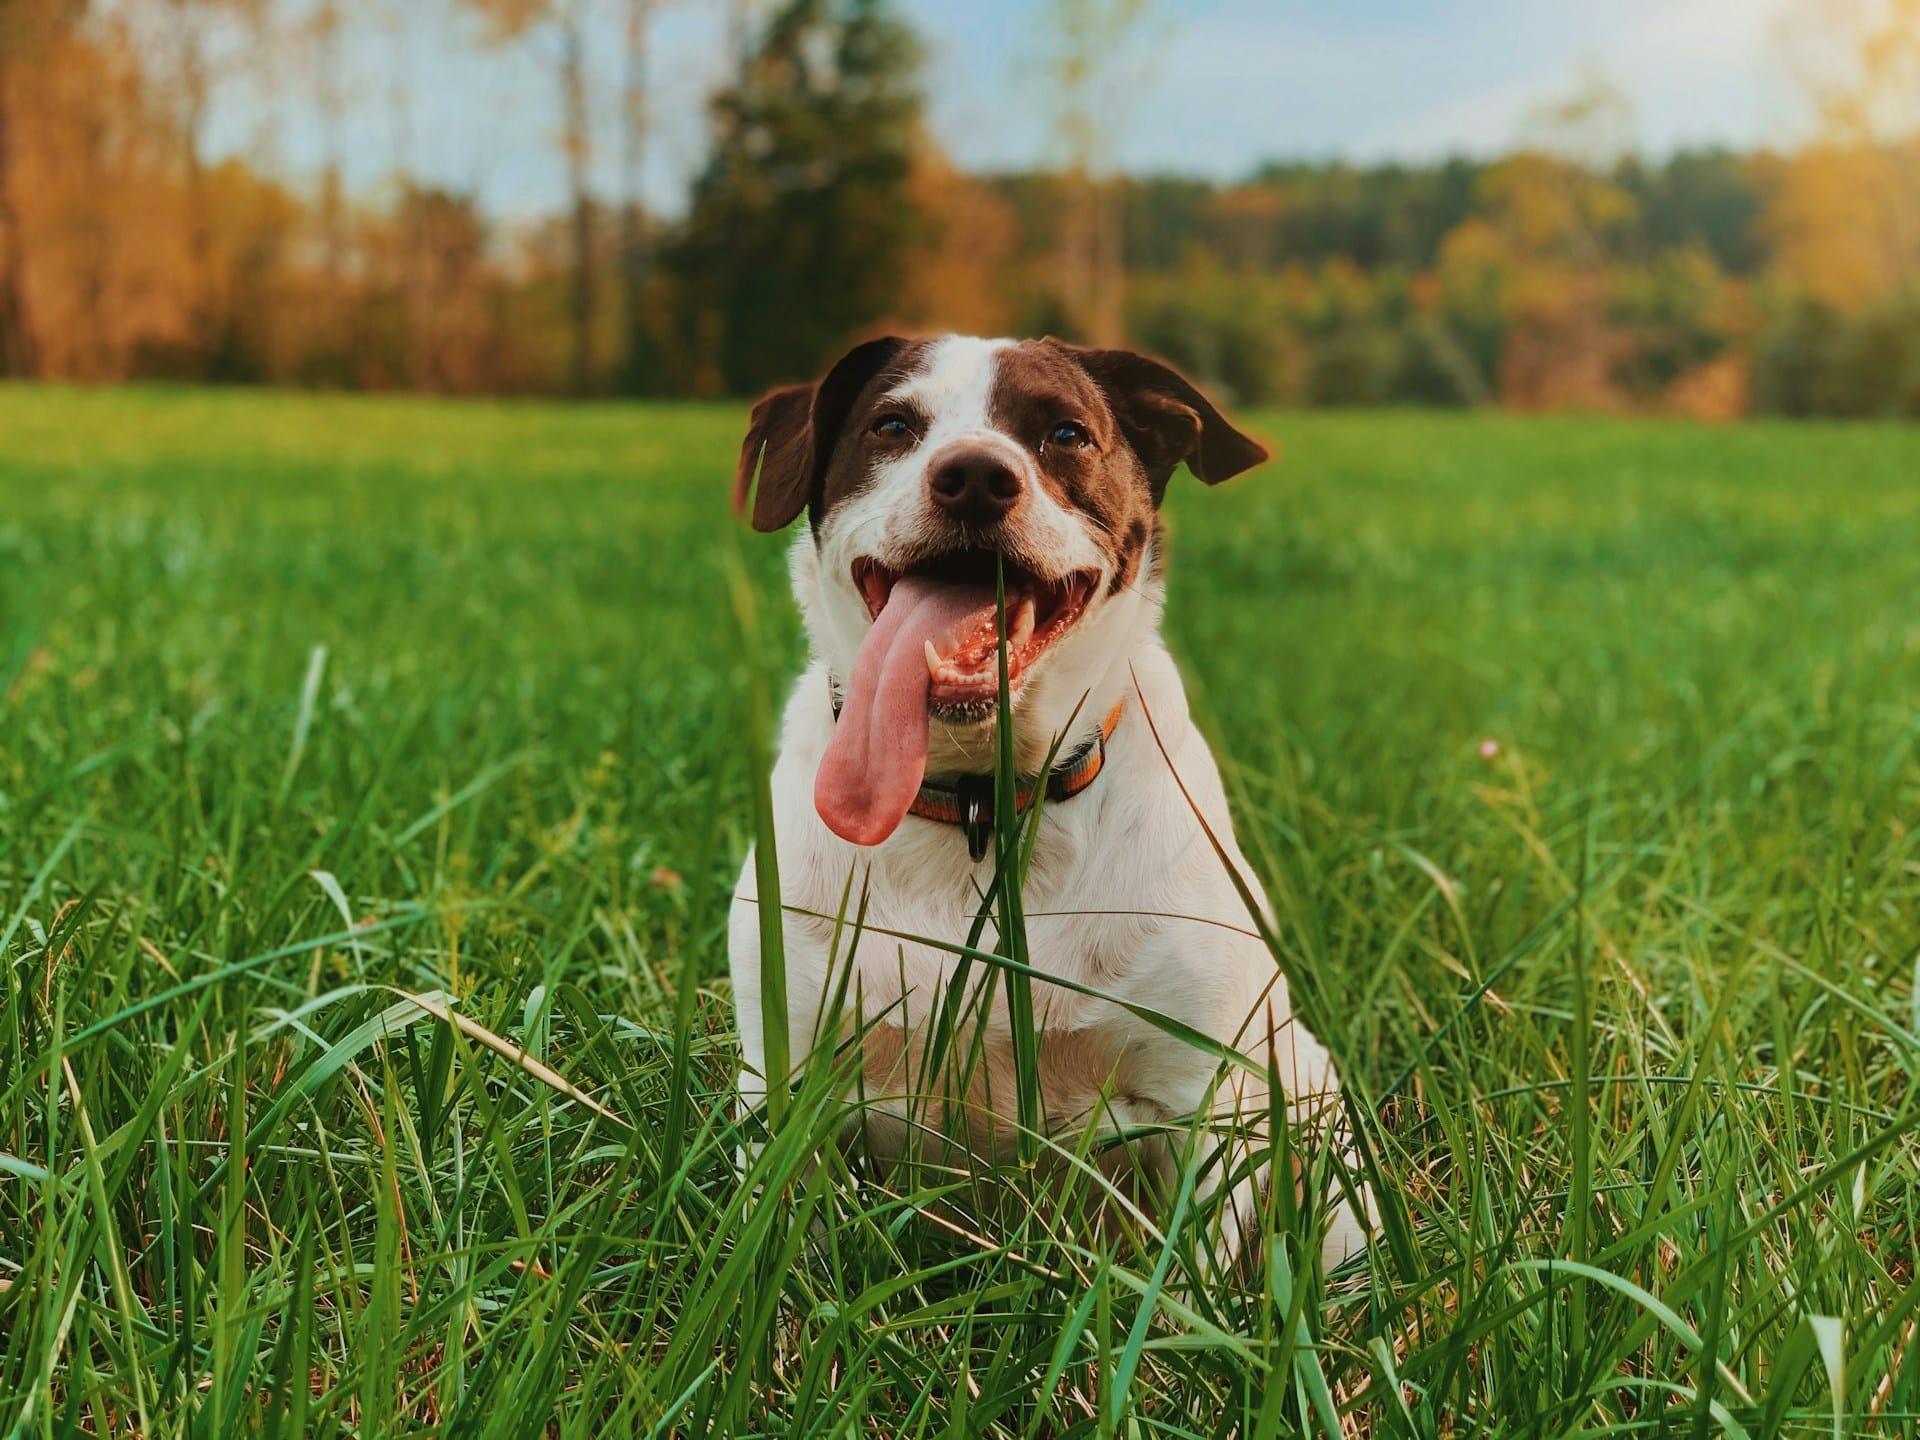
(1547, 206)
(1845, 221)
(1717, 392)
(958, 280)
(99, 216)
(1475, 262)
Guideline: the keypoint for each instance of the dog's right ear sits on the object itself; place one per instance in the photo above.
(792, 433)
(780, 428)
(1167, 420)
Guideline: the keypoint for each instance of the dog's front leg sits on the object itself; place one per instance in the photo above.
(1228, 1144)
(743, 965)
(755, 1080)
(1233, 1144)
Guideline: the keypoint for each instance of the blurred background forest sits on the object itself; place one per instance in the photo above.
(1569, 273)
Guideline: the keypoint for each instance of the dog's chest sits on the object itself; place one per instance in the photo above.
(925, 1039)
(1088, 912)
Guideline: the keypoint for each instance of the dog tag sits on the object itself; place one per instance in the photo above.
(976, 813)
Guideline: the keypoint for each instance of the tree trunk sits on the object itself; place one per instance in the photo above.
(573, 80)
(94, 243)
(633, 235)
(326, 35)
(194, 85)
(409, 266)
(18, 350)
(1089, 34)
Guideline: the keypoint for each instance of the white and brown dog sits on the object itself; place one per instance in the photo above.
(922, 466)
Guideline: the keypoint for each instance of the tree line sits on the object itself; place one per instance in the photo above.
(1567, 274)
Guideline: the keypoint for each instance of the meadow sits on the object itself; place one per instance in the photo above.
(373, 777)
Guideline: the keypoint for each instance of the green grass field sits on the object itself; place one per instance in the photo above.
(311, 705)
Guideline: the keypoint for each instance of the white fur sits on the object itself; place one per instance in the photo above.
(1126, 893)
(894, 516)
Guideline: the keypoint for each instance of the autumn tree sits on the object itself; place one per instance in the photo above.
(321, 37)
(800, 227)
(90, 260)
(1092, 44)
(964, 276)
(1846, 215)
(27, 28)
(1547, 220)
(634, 239)
(562, 25)
(190, 86)
(16, 325)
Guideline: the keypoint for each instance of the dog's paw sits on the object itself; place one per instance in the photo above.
(1351, 1226)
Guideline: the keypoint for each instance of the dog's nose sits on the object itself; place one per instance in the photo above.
(975, 487)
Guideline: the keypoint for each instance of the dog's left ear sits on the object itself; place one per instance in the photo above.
(1168, 421)
(792, 433)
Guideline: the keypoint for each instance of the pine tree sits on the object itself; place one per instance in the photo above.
(802, 221)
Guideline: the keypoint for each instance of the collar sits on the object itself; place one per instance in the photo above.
(968, 800)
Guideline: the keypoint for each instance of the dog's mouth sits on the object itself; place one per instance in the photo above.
(960, 636)
(933, 650)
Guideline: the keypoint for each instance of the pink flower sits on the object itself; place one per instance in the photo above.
(1489, 749)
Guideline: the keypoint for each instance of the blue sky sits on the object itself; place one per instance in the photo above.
(1214, 87)
(1234, 81)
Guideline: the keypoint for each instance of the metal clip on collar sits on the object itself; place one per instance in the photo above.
(976, 813)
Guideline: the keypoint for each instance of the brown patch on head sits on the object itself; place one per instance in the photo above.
(1137, 422)
(1168, 421)
(795, 435)
(863, 444)
(1044, 399)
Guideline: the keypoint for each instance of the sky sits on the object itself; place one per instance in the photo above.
(1210, 87)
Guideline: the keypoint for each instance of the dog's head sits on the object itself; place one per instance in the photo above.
(924, 467)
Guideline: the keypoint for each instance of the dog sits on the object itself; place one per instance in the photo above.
(923, 468)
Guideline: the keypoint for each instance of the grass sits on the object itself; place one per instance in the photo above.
(1581, 759)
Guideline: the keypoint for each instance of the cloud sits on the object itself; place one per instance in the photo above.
(1693, 71)
(1249, 81)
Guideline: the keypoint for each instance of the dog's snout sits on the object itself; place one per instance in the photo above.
(974, 486)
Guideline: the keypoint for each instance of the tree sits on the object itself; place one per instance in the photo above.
(1859, 61)
(964, 276)
(1846, 216)
(579, 146)
(800, 227)
(192, 88)
(182, 52)
(25, 26)
(16, 325)
(1556, 218)
(1086, 84)
(565, 21)
(323, 41)
(635, 239)
(1709, 199)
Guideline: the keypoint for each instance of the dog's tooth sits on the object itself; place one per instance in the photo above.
(1020, 628)
(934, 662)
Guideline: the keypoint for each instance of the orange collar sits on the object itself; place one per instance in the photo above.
(968, 801)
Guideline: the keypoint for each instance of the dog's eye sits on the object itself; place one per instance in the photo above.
(1069, 436)
(892, 427)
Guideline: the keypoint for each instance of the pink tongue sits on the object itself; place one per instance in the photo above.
(878, 755)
